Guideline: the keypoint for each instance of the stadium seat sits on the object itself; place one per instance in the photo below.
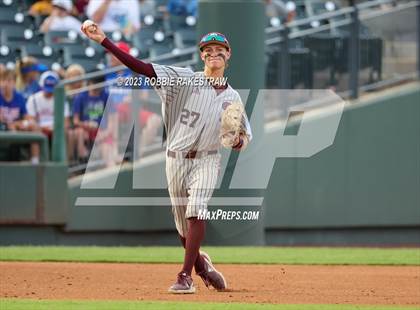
(177, 22)
(88, 64)
(24, 4)
(10, 30)
(163, 47)
(158, 22)
(11, 57)
(62, 38)
(185, 37)
(160, 49)
(7, 16)
(18, 50)
(16, 33)
(323, 47)
(10, 51)
(118, 36)
(301, 68)
(8, 22)
(99, 50)
(14, 4)
(76, 54)
(75, 51)
(143, 40)
(370, 56)
(38, 52)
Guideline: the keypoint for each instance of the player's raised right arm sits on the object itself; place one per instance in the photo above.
(96, 34)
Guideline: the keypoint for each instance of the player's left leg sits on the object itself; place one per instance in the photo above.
(201, 182)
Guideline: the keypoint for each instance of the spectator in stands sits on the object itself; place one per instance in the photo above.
(277, 8)
(27, 71)
(13, 114)
(91, 125)
(60, 18)
(182, 7)
(40, 107)
(114, 15)
(41, 8)
(73, 71)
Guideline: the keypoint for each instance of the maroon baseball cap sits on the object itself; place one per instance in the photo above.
(214, 38)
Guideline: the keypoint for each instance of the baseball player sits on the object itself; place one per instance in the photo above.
(193, 117)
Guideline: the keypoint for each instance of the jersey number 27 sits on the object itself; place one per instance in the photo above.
(186, 115)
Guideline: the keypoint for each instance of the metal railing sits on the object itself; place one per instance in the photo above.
(27, 138)
(352, 18)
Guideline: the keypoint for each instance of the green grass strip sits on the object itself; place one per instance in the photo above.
(15, 304)
(233, 255)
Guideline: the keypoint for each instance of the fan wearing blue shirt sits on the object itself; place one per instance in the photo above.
(13, 114)
(90, 122)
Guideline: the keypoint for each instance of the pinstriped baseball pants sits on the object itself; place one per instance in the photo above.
(191, 183)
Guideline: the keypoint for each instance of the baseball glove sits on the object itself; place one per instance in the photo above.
(232, 124)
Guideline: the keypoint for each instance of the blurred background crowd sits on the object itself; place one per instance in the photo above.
(41, 44)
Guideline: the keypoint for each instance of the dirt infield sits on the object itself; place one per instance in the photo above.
(248, 283)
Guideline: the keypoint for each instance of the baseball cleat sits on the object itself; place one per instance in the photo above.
(210, 275)
(183, 285)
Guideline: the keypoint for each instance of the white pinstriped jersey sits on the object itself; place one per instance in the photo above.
(192, 113)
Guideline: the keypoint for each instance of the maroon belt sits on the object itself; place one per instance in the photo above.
(190, 154)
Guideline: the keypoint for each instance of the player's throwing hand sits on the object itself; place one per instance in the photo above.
(93, 31)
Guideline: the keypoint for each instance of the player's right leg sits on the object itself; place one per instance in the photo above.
(175, 173)
(201, 183)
